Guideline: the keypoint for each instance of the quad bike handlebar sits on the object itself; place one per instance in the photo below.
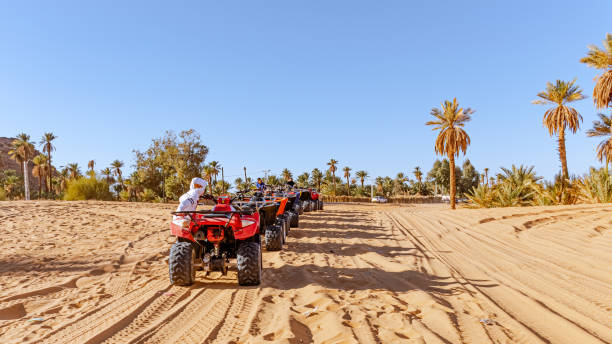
(189, 212)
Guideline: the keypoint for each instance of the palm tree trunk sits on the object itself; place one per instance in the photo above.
(362, 183)
(562, 156)
(453, 190)
(26, 179)
(348, 187)
(334, 180)
(40, 184)
(49, 191)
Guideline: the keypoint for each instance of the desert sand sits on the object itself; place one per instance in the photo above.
(96, 272)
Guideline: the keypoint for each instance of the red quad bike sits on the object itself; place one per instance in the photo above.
(314, 194)
(272, 226)
(209, 238)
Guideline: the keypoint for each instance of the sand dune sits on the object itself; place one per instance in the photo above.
(96, 272)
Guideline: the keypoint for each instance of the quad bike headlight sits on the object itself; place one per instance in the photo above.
(247, 223)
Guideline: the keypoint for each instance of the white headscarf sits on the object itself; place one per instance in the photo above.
(189, 200)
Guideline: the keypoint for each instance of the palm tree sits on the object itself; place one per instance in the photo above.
(400, 179)
(487, 175)
(302, 179)
(108, 175)
(216, 168)
(362, 175)
(601, 59)
(603, 128)
(91, 165)
(561, 116)
(347, 175)
(48, 147)
(418, 174)
(207, 173)
(23, 150)
(74, 170)
(39, 170)
(116, 167)
(286, 174)
(332, 168)
(239, 184)
(452, 139)
(317, 178)
(63, 176)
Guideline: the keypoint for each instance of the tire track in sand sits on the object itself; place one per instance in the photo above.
(94, 322)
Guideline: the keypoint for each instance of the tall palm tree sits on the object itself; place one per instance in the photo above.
(317, 178)
(362, 175)
(91, 164)
(207, 173)
(286, 174)
(216, 169)
(487, 175)
(116, 167)
(23, 149)
(561, 116)
(347, 175)
(108, 175)
(452, 139)
(39, 170)
(601, 59)
(48, 147)
(418, 174)
(74, 171)
(603, 128)
(332, 168)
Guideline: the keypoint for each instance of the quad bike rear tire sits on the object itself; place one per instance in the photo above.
(249, 263)
(274, 238)
(182, 263)
(315, 205)
(306, 206)
(301, 209)
(320, 205)
(282, 223)
(295, 220)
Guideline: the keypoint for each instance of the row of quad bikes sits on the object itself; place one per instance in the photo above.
(236, 227)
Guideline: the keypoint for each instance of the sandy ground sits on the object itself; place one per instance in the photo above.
(92, 272)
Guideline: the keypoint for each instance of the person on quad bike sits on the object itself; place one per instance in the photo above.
(290, 183)
(189, 200)
(261, 186)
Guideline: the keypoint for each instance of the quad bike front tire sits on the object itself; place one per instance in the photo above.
(320, 205)
(274, 238)
(249, 263)
(301, 209)
(182, 263)
(306, 206)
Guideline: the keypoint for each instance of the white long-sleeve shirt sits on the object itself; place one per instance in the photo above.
(189, 200)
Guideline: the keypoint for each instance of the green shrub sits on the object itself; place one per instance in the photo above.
(596, 187)
(83, 188)
(124, 195)
(148, 196)
(2, 195)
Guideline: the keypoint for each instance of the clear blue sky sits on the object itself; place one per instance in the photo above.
(275, 84)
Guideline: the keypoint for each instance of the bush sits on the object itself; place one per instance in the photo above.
(596, 187)
(83, 188)
(2, 195)
(148, 196)
(124, 195)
